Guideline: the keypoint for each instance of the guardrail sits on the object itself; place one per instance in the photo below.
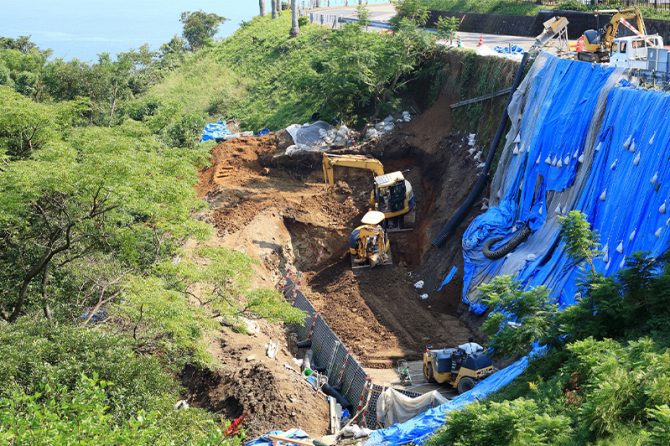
(334, 20)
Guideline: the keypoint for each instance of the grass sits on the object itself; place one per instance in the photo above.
(197, 83)
(510, 7)
(527, 7)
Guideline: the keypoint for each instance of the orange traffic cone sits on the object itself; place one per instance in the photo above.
(580, 44)
(481, 40)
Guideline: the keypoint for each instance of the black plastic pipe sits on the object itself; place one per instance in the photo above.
(480, 183)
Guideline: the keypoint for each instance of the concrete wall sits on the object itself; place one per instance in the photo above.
(531, 26)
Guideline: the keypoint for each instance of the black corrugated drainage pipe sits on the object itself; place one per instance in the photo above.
(480, 183)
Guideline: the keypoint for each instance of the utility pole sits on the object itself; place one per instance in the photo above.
(261, 5)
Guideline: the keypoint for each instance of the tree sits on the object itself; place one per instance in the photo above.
(25, 126)
(519, 318)
(363, 15)
(447, 27)
(295, 27)
(581, 243)
(274, 8)
(261, 7)
(76, 202)
(21, 43)
(414, 11)
(200, 27)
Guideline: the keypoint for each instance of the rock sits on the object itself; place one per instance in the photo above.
(181, 405)
(284, 140)
(250, 358)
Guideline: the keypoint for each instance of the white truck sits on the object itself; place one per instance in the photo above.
(632, 52)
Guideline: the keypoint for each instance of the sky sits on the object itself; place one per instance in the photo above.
(85, 28)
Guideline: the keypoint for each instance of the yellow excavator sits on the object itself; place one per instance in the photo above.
(369, 244)
(392, 194)
(598, 44)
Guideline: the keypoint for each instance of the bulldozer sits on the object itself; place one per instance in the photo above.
(392, 194)
(369, 244)
(598, 43)
(456, 368)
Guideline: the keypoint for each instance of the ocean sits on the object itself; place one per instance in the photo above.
(85, 28)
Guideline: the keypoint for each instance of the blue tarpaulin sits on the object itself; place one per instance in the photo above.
(418, 429)
(581, 138)
(448, 278)
(264, 440)
(214, 131)
(508, 49)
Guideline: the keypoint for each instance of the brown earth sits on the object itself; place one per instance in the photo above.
(270, 395)
(279, 211)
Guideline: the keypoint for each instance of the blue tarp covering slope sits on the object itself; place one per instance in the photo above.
(581, 138)
(556, 116)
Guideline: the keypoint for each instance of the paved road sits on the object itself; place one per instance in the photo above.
(377, 12)
(383, 13)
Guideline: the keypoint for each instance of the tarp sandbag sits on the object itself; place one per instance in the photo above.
(396, 407)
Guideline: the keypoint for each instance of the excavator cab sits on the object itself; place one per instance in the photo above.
(393, 195)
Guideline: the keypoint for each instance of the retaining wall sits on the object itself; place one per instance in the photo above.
(343, 370)
(531, 26)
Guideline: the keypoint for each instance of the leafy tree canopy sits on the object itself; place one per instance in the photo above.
(200, 27)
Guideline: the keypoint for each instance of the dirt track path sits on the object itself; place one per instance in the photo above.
(379, 314)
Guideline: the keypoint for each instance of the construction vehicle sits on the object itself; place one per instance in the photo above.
(556, 28)
(597, 45)
(455, 367)
(633, 52)
(369, 244)
(392, 193)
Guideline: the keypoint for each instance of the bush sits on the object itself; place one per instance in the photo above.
(185, 132)
(62, 384)
(519, 318)
(447, 27)
(415, 11)
(517, 422)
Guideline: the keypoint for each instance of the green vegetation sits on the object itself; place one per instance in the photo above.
(200, 27)
(265, 78)
(519, 318)
(447, 27)
(65, 384)
(100, 303)
(525, 7)
(511, 7)
(605, 379)
(410, 11)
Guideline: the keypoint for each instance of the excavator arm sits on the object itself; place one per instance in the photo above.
(612, 27)
(352, 161)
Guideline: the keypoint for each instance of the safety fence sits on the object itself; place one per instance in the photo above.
(335, 21)
(329, 353)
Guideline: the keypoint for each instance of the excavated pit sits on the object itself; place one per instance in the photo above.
(284, 215)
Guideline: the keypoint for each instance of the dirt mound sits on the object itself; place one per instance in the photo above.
(379, 313)
(269, 394)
